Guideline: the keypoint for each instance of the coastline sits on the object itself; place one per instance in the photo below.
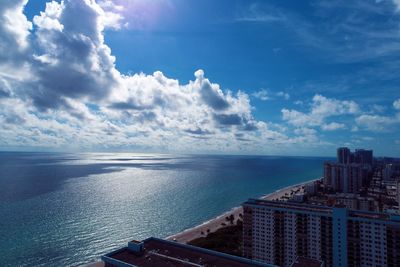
(218, 222)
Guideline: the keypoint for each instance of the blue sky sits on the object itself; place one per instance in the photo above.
(276, 77)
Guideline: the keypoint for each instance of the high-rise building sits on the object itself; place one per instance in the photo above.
(353, 201)
(343, 155)
(327, 180)
(387, 172)
(346, 178)
(277, 232)
(398, 193)
(363, 156)
(391, 171)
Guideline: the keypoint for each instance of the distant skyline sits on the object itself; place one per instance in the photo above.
(185, 76)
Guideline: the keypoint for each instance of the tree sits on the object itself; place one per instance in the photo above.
(231, 218)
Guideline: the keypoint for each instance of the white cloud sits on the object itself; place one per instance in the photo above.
(326, 107)
(397, 4)
(264, 95)
(14, 26)
(305, 131)
(333, 126)
(284, 95)
(133, 14)
(299, 119)
(49, 20)
(65, 91)
(261, 94)
(14, 39)
(72, 96)
(321, 109)
(376, 123)
(72, 60)
(396, 104)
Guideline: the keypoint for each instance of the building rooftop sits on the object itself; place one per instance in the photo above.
(286, 204)
(159, 252)
(321, 208)
(370, 215)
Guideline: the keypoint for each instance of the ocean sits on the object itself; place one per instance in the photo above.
(60, 209)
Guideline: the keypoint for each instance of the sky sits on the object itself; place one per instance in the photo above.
(184, 76)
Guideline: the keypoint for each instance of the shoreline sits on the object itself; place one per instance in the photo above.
(219, 222)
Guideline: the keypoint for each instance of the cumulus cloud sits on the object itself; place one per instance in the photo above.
(396, 104)
(70, 93)
(59, 88)
(284, 95)
(333, 126)
(261, 94)
(380, 123)
(264, 95)
(210, 93)
(321, 109)
(330, 107)
(397, 4)
(14, 28)
(376, 123)
(14, 43)
(71, 60)
(134, 14)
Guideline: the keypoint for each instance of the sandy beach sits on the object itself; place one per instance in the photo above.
(217, 223)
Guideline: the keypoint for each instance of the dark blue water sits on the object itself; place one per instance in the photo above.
(68, 209)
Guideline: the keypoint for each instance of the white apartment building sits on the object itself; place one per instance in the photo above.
(277, 232)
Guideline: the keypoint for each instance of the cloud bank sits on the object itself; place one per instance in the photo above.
(60, 89)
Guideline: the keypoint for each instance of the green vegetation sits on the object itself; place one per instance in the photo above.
(227, 239)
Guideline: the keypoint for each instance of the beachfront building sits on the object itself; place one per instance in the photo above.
(364, 156)
(398, 193)
(159, 252)
(346, 178)
(350, 172)
(278, 232)
(353, 201)
(391, 172)
(344, 155)
(360, 156)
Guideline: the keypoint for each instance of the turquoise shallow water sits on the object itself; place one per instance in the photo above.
(68, 209)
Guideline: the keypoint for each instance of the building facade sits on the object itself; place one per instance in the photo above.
(398, 193)
(345, 178)
(344, 155)
(350, 172)
(363, 156)
(278, 232)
